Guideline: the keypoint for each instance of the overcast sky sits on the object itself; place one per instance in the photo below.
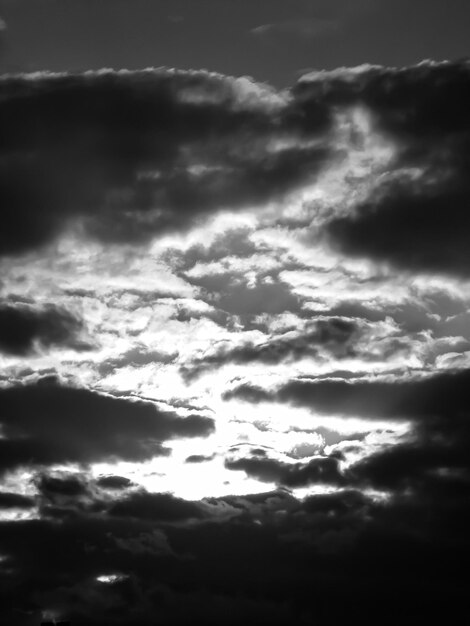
(271, 40)
(234, 312)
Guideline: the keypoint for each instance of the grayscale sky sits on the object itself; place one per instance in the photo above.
(272, 40)
(234, 312)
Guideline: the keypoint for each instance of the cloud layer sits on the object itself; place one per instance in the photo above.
(235, 347)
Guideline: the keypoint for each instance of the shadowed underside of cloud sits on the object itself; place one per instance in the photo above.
(424, 229)
(22, 327)
(63, 495)
(433, 463)
(441, 395)
(15, 501)
(114, 482)
(320, 470)
(198, 458)
(47, 423)
(72, 485)
(157, 506)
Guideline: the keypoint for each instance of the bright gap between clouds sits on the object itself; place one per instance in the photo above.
(287, 434)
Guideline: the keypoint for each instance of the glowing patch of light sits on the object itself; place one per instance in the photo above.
(110, 579)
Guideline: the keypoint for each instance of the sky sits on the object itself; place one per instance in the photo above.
(271, 40)
(234, 312)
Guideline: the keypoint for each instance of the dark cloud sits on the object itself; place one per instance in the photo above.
(132, 154)
(335, 503)
(114, 482)
(174, 566)
(426, 470)
(425, 102)
(427, 460)
(47, 423)
(24, 327)
(419, 399)
(432, 463)
(332, 337)
(259, 505)
(65, 494)
(420, 227)
(421, 223)
(198, 458)
(9, 500)
(386, 542)
(69, 486)
(161, 507)
(319, 470)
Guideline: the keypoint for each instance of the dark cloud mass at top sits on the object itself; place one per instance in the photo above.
(132, 154)
(137, 153)
(234, 341)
